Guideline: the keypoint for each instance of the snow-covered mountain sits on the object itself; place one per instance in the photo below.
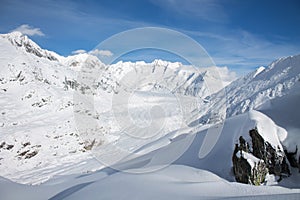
(48, 101)
(258, 88)
(23, 42)
(273, 90)
(37, 126)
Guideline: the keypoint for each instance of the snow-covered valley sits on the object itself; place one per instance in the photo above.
(63, 136)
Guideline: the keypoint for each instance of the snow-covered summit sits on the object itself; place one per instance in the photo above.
(22, 41)
(76, 62)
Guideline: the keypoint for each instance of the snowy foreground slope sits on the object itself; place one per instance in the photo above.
(186, 178)
(40, 144)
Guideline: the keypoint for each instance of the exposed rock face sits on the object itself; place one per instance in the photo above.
(258, 173)
(247, 168)
(274, 158)
(241, 168)
(251, 164)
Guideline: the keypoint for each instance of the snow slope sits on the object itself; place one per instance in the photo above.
(186, 178)
(261, 86)
(36, 113)
(174, 182)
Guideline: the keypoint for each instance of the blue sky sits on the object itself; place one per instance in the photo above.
(239, 34)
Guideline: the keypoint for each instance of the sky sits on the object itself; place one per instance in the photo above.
(241, 35)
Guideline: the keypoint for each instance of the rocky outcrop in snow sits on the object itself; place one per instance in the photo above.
(254, 159)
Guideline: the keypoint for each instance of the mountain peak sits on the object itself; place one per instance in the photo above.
(18, 39)
(16, 34)
(22, 41)
(76, 62)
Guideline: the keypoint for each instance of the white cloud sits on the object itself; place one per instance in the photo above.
(226, 75)
(79, 51)
(29, 30)
(98, 52)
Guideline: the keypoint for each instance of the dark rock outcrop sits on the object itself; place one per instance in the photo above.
(243, 171)
(6, 146)
(251, 164)
(241, 168)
